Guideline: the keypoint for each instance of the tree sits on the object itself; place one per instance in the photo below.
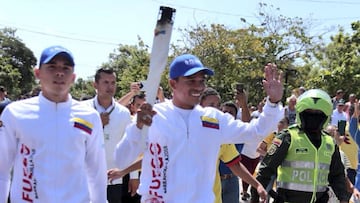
(236, 55)
(231, 53)
(131, 64)
(339, 62)
(9, 77)
(239, 55)
(16, 64)
(83, 89)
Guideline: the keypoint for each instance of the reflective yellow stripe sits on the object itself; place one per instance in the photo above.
(298, 164)
(304, 164)
(324, 166)
(300, 187)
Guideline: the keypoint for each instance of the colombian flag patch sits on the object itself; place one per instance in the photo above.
(277, 142)
(209, 122)
(83, 125)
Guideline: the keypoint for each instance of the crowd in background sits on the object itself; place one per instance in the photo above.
(117, 113)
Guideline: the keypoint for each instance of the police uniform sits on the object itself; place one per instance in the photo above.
(301, 166)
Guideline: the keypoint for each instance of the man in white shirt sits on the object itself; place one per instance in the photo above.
(114, 117)
(183, 138)
(338, 113)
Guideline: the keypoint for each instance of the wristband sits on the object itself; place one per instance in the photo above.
(275, 104)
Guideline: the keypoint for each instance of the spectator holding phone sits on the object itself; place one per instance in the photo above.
(338, 114)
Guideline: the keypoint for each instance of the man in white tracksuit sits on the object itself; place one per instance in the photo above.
(53, 143)
(114, 117)
(184, 139)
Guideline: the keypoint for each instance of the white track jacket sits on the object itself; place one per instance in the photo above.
(179, 161)
(113, 131)
(56, 151)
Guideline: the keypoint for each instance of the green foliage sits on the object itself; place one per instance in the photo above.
(339, 62)
(82, 89)
(9, 78)
(231, 53)
(16, 64)
(236, 55)
(240, 55)
(131, 64)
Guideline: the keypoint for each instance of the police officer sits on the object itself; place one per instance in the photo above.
(305, 159)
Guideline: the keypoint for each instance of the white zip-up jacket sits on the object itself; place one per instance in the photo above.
(179, 161)
(56, 151)
(119, 118)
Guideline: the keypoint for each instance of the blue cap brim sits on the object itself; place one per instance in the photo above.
(65, 54)
(192, 71)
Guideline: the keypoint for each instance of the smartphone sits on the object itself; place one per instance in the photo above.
(341, 127)
(240, 87)
(142, 84)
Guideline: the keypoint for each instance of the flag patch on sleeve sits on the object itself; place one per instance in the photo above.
(83, 125)
(277, 142)
(209, 122)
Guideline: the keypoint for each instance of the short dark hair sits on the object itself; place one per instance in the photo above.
(339, 91)
(141, 95)
(207, 92)
(2, 89)
(232, 105)
(103, 70)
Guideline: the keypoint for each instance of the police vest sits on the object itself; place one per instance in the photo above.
(305, 167)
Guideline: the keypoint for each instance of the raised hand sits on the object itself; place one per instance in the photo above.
(273, 83)
(144, 115)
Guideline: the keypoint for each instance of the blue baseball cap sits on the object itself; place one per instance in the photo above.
(50, 52)
(187, 64)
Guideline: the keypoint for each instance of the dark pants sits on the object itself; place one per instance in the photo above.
(351, 174)
(115, 193)
(250, 164)
(127, 197)
(119, 193)
(285, 195)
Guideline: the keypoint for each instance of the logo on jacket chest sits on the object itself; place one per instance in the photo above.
(301, 150)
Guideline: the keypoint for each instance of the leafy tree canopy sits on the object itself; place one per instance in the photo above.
(339, 63)
(16, 64)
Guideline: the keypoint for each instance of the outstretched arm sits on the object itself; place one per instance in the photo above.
(241, 98)
(240, 170)
(116, 173)
(134, 89)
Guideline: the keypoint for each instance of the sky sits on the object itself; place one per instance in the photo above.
(92, 29)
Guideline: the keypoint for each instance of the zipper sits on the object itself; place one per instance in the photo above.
(316, 174)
